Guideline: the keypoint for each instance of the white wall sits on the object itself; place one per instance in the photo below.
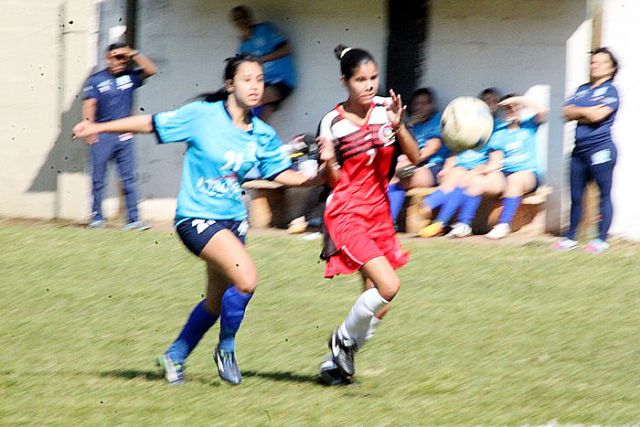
(40, 38)
(190, 39)
(511, 45)
(621, 33)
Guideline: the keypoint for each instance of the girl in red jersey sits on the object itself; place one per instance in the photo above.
(360, 140)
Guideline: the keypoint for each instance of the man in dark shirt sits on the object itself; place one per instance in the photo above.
(108, 95)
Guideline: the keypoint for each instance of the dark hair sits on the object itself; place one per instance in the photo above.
(351, 58)
(117, 45)
(490, 91)
(230, 70)
(243, 12)
(613, 59)
(425, 91)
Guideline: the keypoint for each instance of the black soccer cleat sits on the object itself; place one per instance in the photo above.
(331, 375)
(343, 352)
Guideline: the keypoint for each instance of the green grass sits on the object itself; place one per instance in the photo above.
(480, 334)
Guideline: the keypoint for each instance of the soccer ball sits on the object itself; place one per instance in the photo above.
(466, 123)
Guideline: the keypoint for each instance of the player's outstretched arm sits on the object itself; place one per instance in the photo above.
(292, 178)
(132, 124)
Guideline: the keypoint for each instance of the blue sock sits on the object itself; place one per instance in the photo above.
(469, 208)
(509, 208)
(454, 200)
(199, 322)
(396, 199)
(232, 310)
(436, 199)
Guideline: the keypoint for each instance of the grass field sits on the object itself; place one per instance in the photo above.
(480, 334)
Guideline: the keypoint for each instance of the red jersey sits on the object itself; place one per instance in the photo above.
(357, 217)
(365, 155)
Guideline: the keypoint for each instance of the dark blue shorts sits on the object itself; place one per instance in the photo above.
(536, 174)
(195, 233)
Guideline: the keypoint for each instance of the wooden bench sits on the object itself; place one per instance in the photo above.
(529, 211)
(267, 207)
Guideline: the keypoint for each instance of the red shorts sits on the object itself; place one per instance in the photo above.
(357, 242)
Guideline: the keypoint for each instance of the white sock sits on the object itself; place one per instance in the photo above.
(363, 339)
(355, 326)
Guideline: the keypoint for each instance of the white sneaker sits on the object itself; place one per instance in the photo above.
(564, 245)
(460, 230)
(297, 226)
(499, 231)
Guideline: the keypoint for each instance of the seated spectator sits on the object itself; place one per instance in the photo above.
(458, 171)
(491, 97)
(264, 41)
(312, 210)
(424, 123)
(512, 170)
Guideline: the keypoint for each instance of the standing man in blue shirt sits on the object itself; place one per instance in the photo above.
(264, 41)
(108, 95)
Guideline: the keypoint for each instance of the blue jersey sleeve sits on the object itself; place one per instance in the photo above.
(271, 159)
(570, 100)
(273, 35)
(136, 78)
(495, 142)
(90, 90)
(177, 125)
(611, 99)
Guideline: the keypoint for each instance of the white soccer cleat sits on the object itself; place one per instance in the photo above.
(499, 231)
(460, 230)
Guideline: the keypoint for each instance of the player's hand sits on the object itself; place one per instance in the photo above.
(131, 52)
(86, 130)
(327, 149)
(514, 100)
(395, 109)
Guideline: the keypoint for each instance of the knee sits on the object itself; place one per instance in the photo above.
(389, 288)
(248, 282)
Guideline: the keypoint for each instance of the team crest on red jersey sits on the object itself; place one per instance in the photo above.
(386, 134)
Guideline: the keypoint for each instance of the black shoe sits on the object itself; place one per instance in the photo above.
(343, 352)
(227, 366)
(330, 375)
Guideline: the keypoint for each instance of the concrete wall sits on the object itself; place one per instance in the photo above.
(47, 43)
(512, 45)
(620, 28)
(189, 41)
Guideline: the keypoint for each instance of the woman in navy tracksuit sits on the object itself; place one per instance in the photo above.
(594, 106)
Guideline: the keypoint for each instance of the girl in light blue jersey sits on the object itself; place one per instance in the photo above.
(512, 170)
(224, 141)
(458, 169)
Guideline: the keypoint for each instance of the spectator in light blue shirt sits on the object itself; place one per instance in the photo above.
(264, 41)
(424, 124)
(512, 170)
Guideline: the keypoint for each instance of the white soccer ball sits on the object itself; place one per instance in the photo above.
(466, 123)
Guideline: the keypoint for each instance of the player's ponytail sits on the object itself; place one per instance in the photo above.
(351, 58)
(230, 70)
